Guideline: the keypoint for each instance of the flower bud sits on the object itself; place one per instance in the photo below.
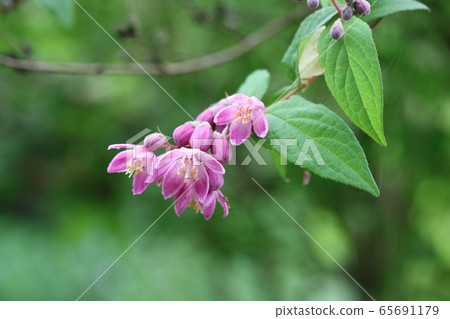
(220, 128)
(313, 3)
(337, 30)
(362, 7)
(201, 138)
(206, 116)
(347, 13)
(182, 134)
(350, 2)
(154, 141)
(220, 148)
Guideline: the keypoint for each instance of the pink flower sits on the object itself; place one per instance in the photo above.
(189, 169)
(139, 160)
(186, 198)
(244, 113)
(209, 204)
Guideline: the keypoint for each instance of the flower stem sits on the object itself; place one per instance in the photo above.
(173, 147)
(337, 7)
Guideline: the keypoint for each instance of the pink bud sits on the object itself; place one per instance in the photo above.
(220, 148)
(201, 138)
(154, 141)
(182, 134)
(206, 116)
(220, 128)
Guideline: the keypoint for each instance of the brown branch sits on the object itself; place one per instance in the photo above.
(175, 68)
(336, 5)
(375, 23)
(297, 89)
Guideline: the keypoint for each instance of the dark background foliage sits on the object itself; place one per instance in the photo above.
(64, 220)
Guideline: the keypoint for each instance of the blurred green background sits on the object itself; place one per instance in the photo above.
(64, 220)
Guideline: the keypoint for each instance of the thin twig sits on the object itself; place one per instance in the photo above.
(297, 89)
(375, 23)
(336, 5)
(176, 68)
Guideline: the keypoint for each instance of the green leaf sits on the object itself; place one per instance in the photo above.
(310, 124)
(309, 25)
(383, 8)
(255, 84)
(325, 3)
(353, 76)
(63, 10)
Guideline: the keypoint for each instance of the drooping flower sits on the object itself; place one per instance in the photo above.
(244, 113)
(138, 161)
(209, 204)
(187, 168)
(186, 199)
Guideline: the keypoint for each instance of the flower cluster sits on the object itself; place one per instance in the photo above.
(191, 171)
(362, 7)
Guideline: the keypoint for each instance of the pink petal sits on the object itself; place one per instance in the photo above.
(215, 180)
(206, 116)
(259, 123)
(239, 132)
(223, 202)
(221, 149)
(182, 200)
(172, 183)
(168, 158)
(201, 185)
(211, 163)
(119, 162)
(257, 103)
(208, 209)
(220, 128)
(219, 106)
(237, 98)
(139, 183)
(226, 115)
(118, 146)
(150, 169)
